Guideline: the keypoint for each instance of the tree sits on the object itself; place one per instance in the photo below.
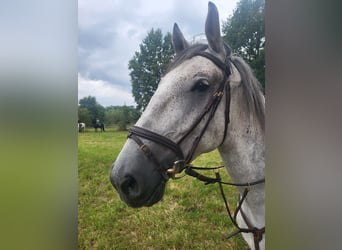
(94, 108)
(83, 115)
(147, 66)
(121, 116)
(244, 31)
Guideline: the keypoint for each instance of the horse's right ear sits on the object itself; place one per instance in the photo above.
(212, 31)
(179, 42)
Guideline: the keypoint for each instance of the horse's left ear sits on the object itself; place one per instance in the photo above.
(179, 42)
(212, 31)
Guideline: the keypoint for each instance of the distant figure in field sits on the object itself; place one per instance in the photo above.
(97, 124)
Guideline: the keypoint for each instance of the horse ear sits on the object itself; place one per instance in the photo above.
(179, 42)
(212, 30)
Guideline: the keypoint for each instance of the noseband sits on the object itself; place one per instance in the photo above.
(180, 163)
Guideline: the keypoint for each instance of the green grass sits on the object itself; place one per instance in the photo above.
(190, 216)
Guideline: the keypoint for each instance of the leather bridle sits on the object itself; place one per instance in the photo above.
(181, 163)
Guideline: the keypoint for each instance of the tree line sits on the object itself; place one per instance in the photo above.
(89, 110)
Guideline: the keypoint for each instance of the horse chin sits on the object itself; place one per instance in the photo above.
(155, 197)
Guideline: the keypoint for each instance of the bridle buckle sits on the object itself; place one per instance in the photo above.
(177, 167)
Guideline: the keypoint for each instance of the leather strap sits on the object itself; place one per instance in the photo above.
(162, 140)
(148, 153)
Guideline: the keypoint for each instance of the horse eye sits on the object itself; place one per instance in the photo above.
(201, 85)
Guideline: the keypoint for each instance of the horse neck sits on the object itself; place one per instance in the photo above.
(243, 151)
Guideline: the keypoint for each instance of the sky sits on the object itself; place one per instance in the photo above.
(110, 32)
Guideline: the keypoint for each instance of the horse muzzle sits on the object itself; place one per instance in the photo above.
(135, 178)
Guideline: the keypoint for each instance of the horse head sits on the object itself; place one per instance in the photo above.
(186, 116)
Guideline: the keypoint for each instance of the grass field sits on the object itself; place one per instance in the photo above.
(190, 216)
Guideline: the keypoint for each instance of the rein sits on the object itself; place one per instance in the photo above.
(183, 163)
(257, 232)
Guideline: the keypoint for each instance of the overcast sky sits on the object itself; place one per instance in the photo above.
(110, 31)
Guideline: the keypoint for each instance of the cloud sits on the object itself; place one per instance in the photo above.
(110, 33)
(106, 94)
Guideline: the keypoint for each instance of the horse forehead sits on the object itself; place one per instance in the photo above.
(189, 69)
(178, 81)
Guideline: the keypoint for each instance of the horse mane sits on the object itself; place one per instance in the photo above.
(251, 87)
(252, 90)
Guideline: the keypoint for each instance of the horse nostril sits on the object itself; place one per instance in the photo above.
(129, 186)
